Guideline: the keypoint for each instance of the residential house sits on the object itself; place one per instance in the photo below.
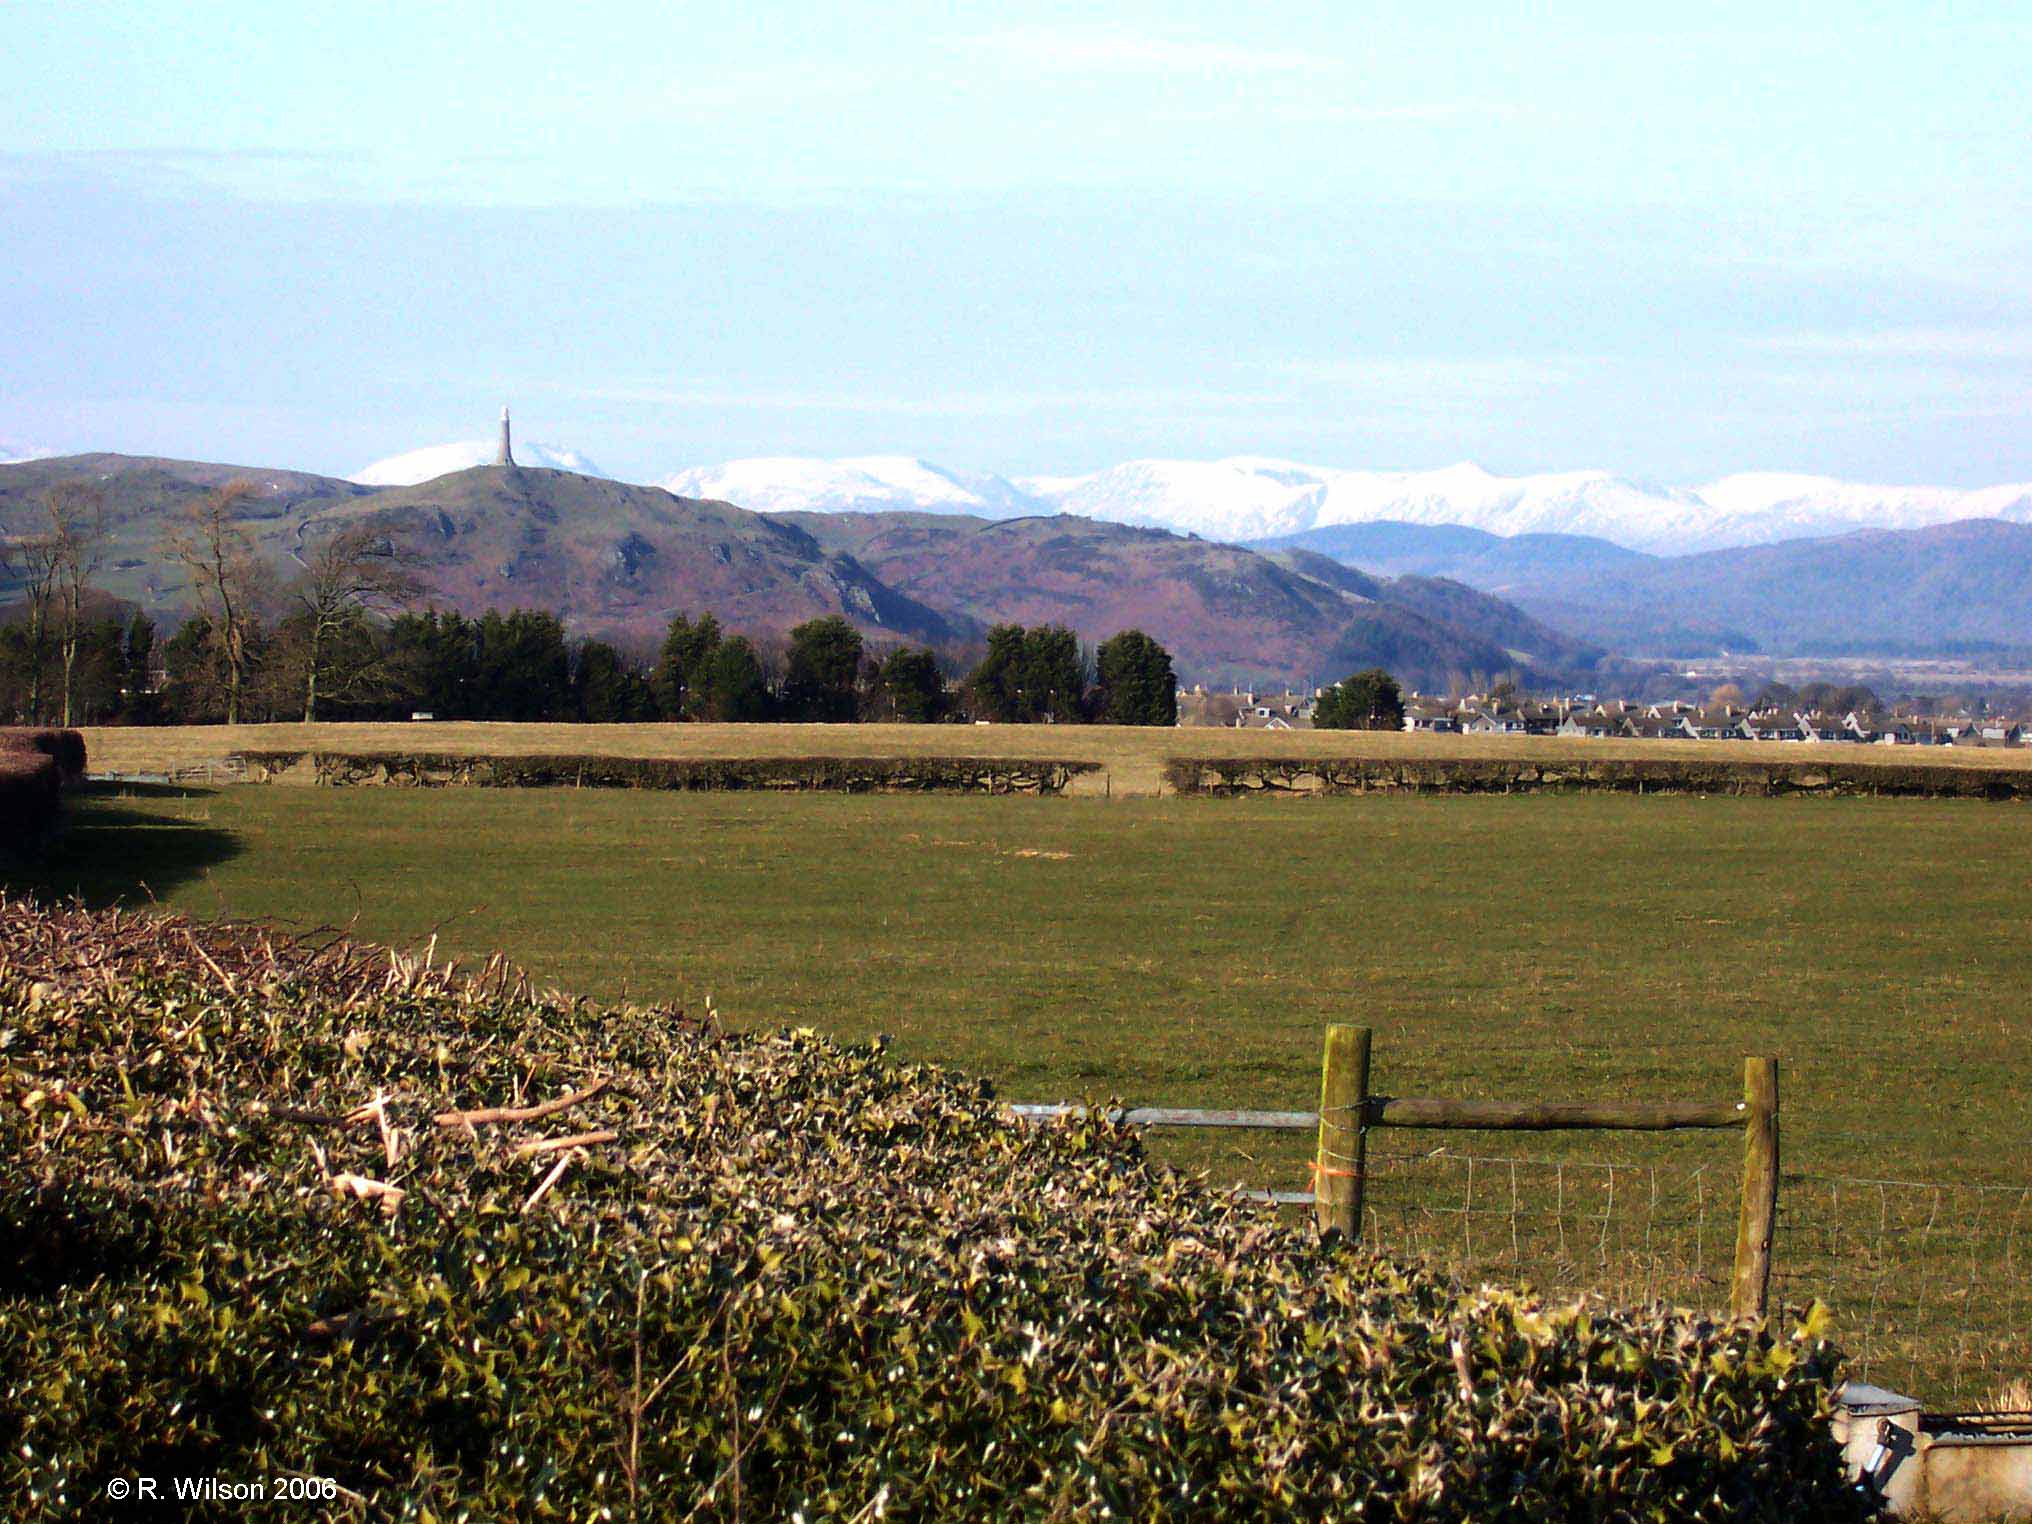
(1591, 723)
(1199, 707)
(1650, 727)
(1718, 722)
(1281, 711)
(1483, 721)
(1431, 718)
(1817, 726)
(1774, 726)
(1987, 732)
(1256, 719)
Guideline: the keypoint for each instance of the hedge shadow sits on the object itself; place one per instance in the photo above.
(111, 853)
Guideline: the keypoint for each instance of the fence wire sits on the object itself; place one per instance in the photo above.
(1630, 1232)
(1930, 1281)
(1928, 1278)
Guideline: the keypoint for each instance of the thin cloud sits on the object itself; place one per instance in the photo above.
(1392, 376)
(1098, 50)
(1909, 344)
(254, 172)
(991, 404)
(1435, 112)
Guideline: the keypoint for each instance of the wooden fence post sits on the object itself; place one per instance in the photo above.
(1338, 1172)
(1750, 1295)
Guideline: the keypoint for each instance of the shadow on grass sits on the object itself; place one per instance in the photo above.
(124, 844)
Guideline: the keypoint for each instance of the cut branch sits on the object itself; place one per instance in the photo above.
(575, 1140)
(556, 1170)
(519, 1113)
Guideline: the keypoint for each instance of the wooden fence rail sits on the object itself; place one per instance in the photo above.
(1181, 1116)
(1349, 1109)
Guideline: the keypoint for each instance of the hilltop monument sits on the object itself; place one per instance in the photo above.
(506, 455)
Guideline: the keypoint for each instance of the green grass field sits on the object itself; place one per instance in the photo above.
(1191, 951)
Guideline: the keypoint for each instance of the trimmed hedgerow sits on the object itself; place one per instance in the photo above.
(975, 775)
(34, 767)
(65, 747)
(29, 785)
(1233, 776)
(265, 1224)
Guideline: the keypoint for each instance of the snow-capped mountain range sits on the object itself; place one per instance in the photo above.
(434, 461)
(1245, 498)
(858, 484)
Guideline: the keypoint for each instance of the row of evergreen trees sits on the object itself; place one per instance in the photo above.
(525, 665)
(108, 676)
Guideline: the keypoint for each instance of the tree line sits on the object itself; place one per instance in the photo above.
(525, 665)
(339, 637)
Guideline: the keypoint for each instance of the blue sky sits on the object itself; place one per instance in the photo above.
(1670, 241)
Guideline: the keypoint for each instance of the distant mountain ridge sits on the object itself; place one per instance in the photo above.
(1491, 562)
(1225, 613)
(621, 560)
(1948, 588)
(1243, 499)
(1246, 499)
(613, 558)
(1429, 600)
(1945, 589)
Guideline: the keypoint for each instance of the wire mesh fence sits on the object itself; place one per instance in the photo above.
(1930, 1282)
(1628, 1231)
(1929, 1278)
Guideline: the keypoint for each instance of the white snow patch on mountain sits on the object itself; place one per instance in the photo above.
(1248, 497)
(1760, 507)
(1244, 498)
(434, 461)
(859, 484)
(1254, 498)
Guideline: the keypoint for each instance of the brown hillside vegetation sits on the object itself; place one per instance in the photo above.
(1224, 612)
(622, 559)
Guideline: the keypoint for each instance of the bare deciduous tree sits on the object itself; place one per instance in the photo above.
(226, 577)
(34, 559)
(77, 540)
(357, 570)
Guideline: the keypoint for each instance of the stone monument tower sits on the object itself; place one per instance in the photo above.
(506, 457)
